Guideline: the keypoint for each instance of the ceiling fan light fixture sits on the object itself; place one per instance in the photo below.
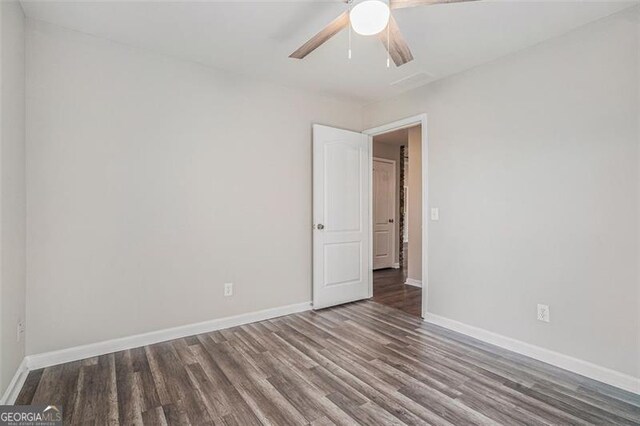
(369, 17)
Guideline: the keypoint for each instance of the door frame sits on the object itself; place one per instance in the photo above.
(415, 120)
(395, 189)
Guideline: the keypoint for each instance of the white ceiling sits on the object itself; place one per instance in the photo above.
(256, 38)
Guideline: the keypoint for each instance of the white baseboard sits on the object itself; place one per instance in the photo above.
(32, 362)
(76, 353)
(396, 265)
(13, 390)
(584, 368)
(413, 282)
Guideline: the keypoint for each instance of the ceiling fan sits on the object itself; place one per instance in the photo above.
(369, 17)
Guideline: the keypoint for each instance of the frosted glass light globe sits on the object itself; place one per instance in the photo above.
(369, 17)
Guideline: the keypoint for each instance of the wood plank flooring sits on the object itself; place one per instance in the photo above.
(389, 289)
(361, 363)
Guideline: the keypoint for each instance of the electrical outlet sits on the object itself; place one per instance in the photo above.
(543, 313)
(20, 330)
(228, 289)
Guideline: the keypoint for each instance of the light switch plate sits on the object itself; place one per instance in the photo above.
(435, 213)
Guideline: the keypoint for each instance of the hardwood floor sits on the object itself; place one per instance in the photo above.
(358, 363)
(389, 289)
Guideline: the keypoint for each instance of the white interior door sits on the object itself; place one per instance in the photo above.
(340, 216)
(384, 213)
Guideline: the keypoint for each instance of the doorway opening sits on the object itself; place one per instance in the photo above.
(396, 219)
(343, 221)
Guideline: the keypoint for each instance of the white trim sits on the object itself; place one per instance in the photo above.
(370, 222)
(13, 390)
(395, 208)
(584, 368)
(397, 125)
(413, 282)
(421, 120)
(76, 353)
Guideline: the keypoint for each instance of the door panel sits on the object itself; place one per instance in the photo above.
(384, 210)
(340, 215)
(342, 165)
(382, 242)
(342, 263)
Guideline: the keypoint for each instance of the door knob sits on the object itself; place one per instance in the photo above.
(390, 220)
(320, 226)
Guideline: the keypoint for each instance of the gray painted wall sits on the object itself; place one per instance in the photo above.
(152, 182)
(12, 188)
(533, 163)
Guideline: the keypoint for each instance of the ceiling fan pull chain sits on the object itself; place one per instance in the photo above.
(388, 44)
(349, 31)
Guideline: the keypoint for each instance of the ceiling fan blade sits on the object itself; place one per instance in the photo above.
(397, 46)
(325, 34)
(401, 4)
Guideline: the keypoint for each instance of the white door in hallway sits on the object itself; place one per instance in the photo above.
(384, 211)
(341, 262)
